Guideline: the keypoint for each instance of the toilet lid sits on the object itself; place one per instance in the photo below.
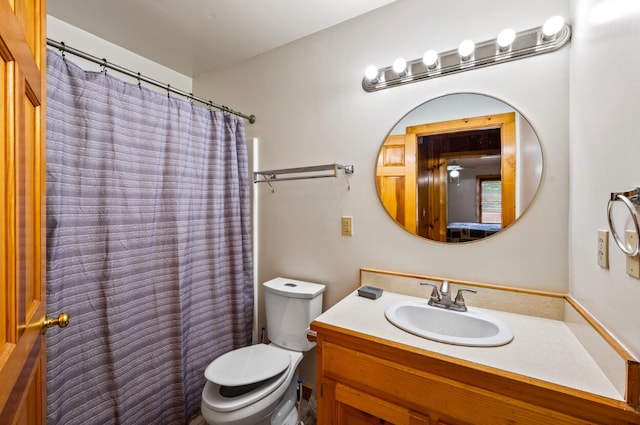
(247, 365)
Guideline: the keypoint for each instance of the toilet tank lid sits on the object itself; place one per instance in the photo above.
(293, 288)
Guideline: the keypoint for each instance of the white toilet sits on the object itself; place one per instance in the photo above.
(257, 384)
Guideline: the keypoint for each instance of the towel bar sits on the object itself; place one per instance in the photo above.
(631, 199)
(301, 173)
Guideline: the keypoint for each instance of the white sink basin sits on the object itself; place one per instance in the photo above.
(471, 328)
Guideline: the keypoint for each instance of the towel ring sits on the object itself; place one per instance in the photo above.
(631, 206)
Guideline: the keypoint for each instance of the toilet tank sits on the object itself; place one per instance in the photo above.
(291, 305)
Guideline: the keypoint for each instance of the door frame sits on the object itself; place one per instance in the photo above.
(506, 122)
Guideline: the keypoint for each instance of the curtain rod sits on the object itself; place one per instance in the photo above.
(103, 62)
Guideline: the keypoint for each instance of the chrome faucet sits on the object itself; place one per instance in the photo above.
(442, 298)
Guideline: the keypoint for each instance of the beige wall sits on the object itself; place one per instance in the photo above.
(77, 38)
(605, 148)
(311, 110)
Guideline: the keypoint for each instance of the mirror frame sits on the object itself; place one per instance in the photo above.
(404, 145)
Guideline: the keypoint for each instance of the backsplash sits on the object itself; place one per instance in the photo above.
(530, 303)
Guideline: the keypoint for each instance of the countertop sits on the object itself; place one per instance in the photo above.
(543, 349)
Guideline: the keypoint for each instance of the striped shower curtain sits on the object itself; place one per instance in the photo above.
(148, 248)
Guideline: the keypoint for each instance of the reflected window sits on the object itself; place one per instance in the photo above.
(490, 199)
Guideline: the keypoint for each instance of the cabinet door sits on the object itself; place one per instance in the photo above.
(352, 416)
(354, 407)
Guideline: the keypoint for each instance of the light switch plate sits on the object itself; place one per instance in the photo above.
(347, 226)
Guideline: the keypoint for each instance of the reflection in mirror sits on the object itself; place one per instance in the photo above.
(459, 168)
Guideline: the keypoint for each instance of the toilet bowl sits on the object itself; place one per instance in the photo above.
(257, 384)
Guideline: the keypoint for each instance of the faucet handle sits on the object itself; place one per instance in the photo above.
(459, 301)
(444, 287)
(435, 294)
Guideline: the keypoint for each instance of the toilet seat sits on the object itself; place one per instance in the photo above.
(248, 365)
(216, 401)
(234, 368)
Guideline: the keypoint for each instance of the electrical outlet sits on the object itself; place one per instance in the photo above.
(347, 226)
(603, 248)
(633, 263)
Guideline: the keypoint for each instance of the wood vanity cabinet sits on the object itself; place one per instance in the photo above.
(367, 380)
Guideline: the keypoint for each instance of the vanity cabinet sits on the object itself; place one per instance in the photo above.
(363, 379)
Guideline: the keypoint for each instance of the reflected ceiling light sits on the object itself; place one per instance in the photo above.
(371, 73)
(454, 173)
(505, 39)
(508, 46)
(465, 50)
(552, 27)
(430, 59)
(400, 66)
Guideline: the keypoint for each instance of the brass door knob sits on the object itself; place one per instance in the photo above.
(62, 320)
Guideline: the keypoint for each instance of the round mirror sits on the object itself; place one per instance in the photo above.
(459, 168)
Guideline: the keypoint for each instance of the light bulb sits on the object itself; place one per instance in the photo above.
(466, 48)
(552, 26)
(505, 38)
(454, 173)
(399, 65)
(371, 73)
(430, 59)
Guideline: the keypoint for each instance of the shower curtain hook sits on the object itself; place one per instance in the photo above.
(139, 80)
(191, 98)
(63, 49)
(104, 66)
(168, 90)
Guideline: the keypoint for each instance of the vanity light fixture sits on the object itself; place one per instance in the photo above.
(508, 46)
(552, 27)
(400, 67)
(371, 73)
(466, 49)
(430, 59)
(505, 40)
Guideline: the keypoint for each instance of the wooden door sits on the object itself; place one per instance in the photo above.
(22, 192)
(436, 223)
(396, 179)
(432, 192)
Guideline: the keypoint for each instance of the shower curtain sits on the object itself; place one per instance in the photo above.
(148, 248)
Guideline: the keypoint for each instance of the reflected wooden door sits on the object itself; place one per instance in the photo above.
(433, 186)
(432, 191)
(22, 192)
(396, 179)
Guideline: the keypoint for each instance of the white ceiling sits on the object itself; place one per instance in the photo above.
(197, 36)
